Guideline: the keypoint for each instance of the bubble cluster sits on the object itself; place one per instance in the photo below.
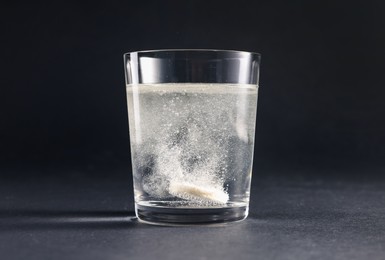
(182, 151)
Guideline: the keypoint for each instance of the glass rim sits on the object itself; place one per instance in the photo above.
(193, 50)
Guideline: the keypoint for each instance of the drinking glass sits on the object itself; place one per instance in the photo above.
(192, 116)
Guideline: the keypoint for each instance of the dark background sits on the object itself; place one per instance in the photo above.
(318, 187)
(321, 104)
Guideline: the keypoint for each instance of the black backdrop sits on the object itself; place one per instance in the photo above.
(321, 105)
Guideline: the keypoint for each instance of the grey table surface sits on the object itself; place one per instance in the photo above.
(79, 217)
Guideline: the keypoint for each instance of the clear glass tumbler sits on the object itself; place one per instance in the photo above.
(192, 117)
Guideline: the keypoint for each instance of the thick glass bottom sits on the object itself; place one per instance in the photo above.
(160, 213)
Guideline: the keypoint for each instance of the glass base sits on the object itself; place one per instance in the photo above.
(171, 216)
